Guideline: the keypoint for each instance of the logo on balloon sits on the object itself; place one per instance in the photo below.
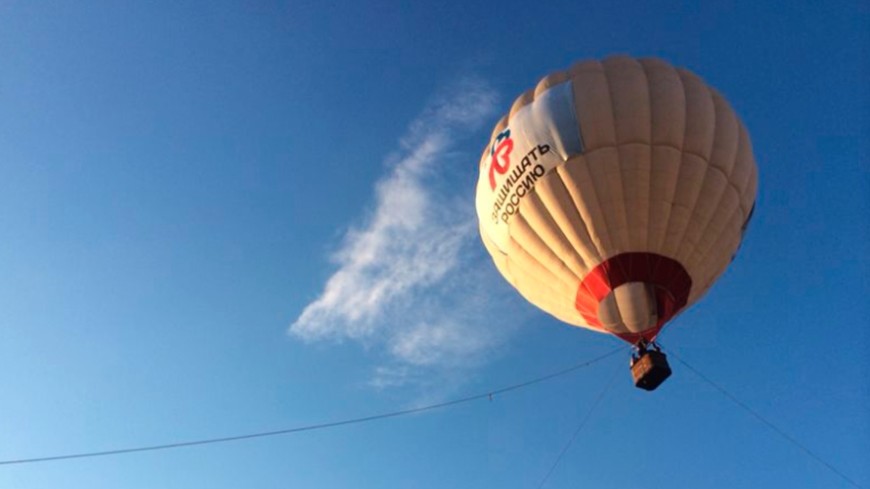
(522, 177)
(500, 152)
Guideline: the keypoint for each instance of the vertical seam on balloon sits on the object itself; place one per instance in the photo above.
(625, 241)
(707, 166)
(683, 154)
(557, 274)
(702, 255)
(694, 203)
(510, 278)
(576, 115)
(707, 268)
(649, 98)
(736, 153)
(551, 223)
(747, 185)
(705, 252)
(750, 190)
(625, 196)
(660, 247)
(521, 98)
(649, 203)
(696, 251)
(521, 129)
(597, 198)
(749, 173)
(624, 176)
(683, 162)
(722, 266)
(631, 200)
(557, 177)
(598, 247)
(541, 284)
(597, 238)
(719, 201)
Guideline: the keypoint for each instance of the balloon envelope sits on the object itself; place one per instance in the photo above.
(615, 193)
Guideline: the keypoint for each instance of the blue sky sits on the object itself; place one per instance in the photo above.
(236, 217)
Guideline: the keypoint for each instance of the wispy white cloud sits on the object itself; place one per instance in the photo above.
(412, 277)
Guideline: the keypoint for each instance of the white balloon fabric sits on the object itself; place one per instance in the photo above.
(614, 194)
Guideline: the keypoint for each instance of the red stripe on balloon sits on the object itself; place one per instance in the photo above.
(672, 285)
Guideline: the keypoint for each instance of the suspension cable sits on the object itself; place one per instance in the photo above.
(319, 426)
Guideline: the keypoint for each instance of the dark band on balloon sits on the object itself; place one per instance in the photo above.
(672, 286)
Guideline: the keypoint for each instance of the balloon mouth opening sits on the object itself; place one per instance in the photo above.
(649, 335)
(663, 287)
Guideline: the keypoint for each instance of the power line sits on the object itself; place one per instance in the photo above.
(769, 424)
(579, 428)
(314, 427)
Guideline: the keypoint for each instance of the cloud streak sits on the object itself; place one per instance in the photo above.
(411, 277)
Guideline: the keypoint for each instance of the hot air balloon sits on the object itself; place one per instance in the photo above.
(614, 194)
